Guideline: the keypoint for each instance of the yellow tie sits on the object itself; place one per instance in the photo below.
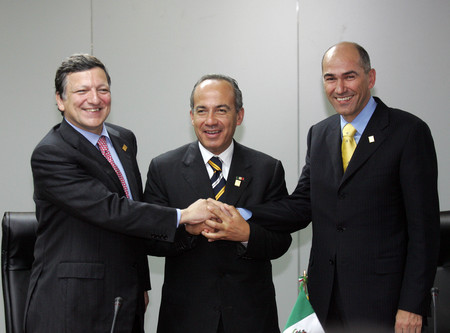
(348, 144)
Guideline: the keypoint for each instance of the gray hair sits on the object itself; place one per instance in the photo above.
(237, 92)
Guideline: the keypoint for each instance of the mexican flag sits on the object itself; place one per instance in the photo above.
(303, 319)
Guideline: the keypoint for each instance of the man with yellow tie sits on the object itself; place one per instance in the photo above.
(369, 186)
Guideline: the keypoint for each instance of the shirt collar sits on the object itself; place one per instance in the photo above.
(226, 156)
(362, 119)
(91, 137)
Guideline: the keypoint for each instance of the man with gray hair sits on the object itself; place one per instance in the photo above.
(223, 286)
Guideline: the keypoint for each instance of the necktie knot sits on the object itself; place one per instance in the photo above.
(348, 131)
(215, 163)
(102, 144)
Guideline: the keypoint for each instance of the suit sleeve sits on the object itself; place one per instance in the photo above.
(418, 177)
(71, 182)
(156, 193)
(266, 244)
(289, 213)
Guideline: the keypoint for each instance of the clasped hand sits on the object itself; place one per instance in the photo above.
(215, 220)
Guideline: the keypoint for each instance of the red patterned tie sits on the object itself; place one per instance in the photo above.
(105, 152)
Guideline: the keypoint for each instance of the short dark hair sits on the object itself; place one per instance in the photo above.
(73, 64)
(238, 103)
(364, 58)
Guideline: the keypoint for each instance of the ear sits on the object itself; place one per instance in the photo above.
(192, 117)
(372, 78)
(240, 116)
(60, 103)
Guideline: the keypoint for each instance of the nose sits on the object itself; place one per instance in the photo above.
(211, 118)
(93, 97)
(340, 86)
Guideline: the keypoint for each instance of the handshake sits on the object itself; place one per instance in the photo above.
(215, 220)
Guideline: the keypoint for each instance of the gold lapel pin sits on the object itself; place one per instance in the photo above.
(371, 139)
(124, 147)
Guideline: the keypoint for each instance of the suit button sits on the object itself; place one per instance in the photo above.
(342, 196)
(340, 228)
(331, 261)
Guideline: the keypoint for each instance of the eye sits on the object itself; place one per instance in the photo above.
(200, 112)
(222, 111)
(330, 79)
(104, 91)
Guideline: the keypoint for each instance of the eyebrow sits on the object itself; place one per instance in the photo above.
(216, 107)
(344, 74)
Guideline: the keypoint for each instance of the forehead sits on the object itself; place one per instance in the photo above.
(95, 76)
(340, 60)
(214, 89)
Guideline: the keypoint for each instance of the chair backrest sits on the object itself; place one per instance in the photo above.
(442, 279)
(19, 236)
(444, 252)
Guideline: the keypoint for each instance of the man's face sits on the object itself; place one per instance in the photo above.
(88, 99)
(214, 115)
(346, 84)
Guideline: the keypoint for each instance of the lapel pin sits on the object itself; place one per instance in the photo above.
(238, 181)
(124, 147)
(371, 139)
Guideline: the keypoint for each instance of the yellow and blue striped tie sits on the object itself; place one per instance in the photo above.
(217, 180)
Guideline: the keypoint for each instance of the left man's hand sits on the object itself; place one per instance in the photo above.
(195, 213)
(407, 322)
(233, 226)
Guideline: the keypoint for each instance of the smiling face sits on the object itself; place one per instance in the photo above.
(346, 84)
(87, 100)
(214, 115)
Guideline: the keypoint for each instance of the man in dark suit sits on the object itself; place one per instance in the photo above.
(223, 286)
(87, 251)
(376, 218)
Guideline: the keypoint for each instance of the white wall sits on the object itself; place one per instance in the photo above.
(156, 50)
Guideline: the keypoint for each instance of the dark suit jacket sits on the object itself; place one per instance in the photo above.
(376, 227)
(221, 278)
(87, 251)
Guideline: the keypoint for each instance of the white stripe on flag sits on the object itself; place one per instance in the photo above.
(309, 324)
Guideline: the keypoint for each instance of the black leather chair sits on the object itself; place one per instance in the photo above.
(19, 236)
(442, 280)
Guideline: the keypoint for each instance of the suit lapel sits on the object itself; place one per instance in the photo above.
(370, 140)
(239, 176)
(333, 141)
(193, 170)
(80, 143)
(87, 149)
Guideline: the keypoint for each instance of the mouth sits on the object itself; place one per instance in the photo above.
(212, 132)
(344, 99)
(93, 110)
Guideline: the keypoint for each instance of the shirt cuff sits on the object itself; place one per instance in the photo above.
(178, 217)
(245, 213)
